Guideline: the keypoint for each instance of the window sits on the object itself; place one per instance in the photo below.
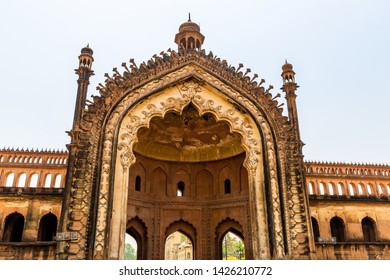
(322, 189)
(369, 189)
(227, 185)
(311, 188)
(340, 189)
(47, 227)
(351, 189)
(360, 189)
(34, 180)
(180, 188)
(138, 184)
(22, 180)
(57, 183)
(368, 227)
(48, 181)
(380, 190)
(330, 188)
(337, 229)
(316, 229)
(10, 180)
(13, 229)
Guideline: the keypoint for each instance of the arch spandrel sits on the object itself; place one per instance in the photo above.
(172, 93)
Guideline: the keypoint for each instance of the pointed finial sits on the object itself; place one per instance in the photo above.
(189, 16)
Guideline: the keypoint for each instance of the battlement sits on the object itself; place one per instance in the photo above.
(11, 156)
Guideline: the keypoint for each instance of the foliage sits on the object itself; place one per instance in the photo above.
(130, 253)
(233, 246)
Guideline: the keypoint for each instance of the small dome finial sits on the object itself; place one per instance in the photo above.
(189, 16)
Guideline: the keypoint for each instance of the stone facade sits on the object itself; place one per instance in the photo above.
(187, 143)
(31, 196)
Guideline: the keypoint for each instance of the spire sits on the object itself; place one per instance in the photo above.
(189, 36)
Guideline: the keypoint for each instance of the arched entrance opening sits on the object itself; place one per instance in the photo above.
(230, 243)
(135, 245)
(192, 161)
(233, 247)
(130, 247)
(180, 134)
(178, 246)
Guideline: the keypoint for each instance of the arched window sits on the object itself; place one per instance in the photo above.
(57, 183)
(330, 188)
(47, 227)
(180, 188)
(322, 189)
(380, 189)
(138, 184)
(13, 229)
(316, 228)
(34, 180)
(360, 188)
(369, 189)
(178, 246)
(48, 181)
(337, 229)
(311, 188)
(227, 185)
(10, 180)
(340, 189)
(22, 180)
(351, 189)
(369, 232)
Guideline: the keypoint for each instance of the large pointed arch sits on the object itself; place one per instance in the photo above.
(109, 128)
(255, 132)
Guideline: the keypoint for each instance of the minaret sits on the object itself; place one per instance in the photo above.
(189, 36)
(298, 180)
(289, 87)
(84, 72)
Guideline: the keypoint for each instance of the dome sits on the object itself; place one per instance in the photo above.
(87, 50)
(189, 26)
(287, 66)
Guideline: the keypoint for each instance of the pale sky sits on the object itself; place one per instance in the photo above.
(340, 51)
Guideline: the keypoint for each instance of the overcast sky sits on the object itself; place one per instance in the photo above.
(340, 51)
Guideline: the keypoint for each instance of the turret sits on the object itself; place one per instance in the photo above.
(189, 36)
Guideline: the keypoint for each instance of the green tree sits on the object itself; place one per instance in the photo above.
(228, 246)
(130, 252)
(240, 250)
